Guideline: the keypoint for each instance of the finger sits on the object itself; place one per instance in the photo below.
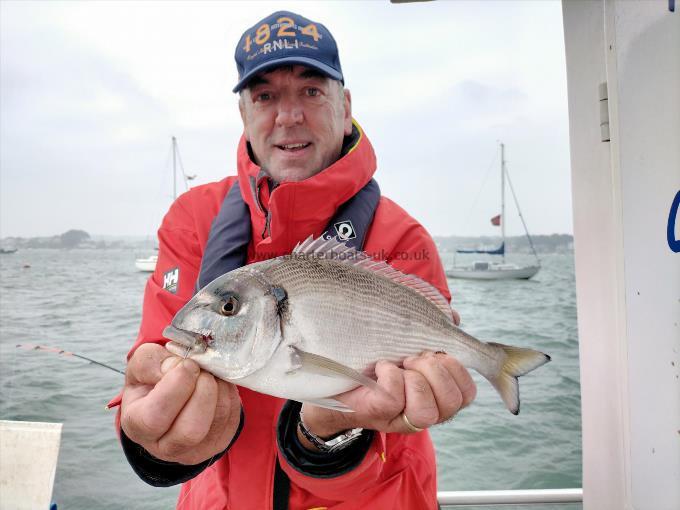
(145, 369)
(421, 406)
(133, 393)
(383, 404)
(227, 400)
(456, 317)
(227, 415)
(444, 386)
(192, 424)
(148, 418)
(145, 364)
(391, 379)
(464, 380)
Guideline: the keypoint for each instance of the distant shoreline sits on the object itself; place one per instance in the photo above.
(553, 243)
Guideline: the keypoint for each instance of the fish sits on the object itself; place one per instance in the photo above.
(312, 325)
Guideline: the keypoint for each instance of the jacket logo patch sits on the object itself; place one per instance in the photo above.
(171, 280)
(345, 230)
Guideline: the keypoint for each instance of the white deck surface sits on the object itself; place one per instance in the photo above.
(28, 462)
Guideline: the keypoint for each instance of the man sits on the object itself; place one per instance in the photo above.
(302, 162)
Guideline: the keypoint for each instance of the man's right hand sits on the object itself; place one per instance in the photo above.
(175, 410)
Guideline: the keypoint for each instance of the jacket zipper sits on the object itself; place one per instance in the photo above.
(267, 220)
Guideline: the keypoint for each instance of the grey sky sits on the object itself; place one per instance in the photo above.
(91, 92)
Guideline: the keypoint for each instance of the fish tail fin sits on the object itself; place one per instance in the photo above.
(518, 361)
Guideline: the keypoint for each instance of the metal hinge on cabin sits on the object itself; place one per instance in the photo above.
(604, 112)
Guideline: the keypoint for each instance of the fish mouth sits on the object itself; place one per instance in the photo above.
(196, 341)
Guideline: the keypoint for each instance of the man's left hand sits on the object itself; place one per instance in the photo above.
(429, 389)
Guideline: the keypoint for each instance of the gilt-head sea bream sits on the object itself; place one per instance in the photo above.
(311, 325)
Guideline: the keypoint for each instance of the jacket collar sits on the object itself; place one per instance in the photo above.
(292, 211)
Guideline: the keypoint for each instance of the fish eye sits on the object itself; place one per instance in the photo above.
(229, 307)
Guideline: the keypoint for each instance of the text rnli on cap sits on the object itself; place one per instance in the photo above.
(280, 44)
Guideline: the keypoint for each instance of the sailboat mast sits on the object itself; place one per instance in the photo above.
(503, 198)
(174, 168)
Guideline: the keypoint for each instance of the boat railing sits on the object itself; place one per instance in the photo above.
(449, 499)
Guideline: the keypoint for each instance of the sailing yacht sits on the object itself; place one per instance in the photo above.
(148, 264)
(486, 270)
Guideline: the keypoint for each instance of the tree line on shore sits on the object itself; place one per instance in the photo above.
(554, 243)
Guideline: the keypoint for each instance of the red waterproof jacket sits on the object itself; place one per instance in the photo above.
(399, 471)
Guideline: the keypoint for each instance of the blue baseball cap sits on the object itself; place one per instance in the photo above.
(285, 38)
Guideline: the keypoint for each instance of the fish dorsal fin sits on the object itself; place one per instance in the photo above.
(335, 250)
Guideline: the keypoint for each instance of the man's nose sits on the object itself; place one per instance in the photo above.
(289, 112)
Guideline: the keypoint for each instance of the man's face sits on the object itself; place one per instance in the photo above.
(295, 120)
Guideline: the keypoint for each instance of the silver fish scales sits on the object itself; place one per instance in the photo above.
(311, 325)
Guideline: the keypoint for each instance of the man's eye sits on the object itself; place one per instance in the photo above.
(263, 96)
(312, 91)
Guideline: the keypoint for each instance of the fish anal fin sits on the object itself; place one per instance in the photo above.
(330, 403)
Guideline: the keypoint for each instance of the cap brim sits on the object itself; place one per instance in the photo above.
(304, 61)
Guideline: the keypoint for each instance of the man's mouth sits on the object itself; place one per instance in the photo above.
(294, 147)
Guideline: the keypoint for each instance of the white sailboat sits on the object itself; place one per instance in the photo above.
(148, 264)
(488, 270)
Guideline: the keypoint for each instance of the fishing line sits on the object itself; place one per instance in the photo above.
(212, 466)
(58, 351)
(186, 354)
(62, 352)
(10, 396)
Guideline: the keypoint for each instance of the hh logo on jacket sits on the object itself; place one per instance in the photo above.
(170, 280)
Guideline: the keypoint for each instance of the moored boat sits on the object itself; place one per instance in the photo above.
(482, 270)
(485, 270)
(148, 264)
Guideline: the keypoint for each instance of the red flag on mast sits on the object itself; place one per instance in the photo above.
(496, 220)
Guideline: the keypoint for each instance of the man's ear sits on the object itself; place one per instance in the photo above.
(242, 111)
(348, 112)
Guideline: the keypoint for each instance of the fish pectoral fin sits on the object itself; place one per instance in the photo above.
(316, 364)
(330, 403)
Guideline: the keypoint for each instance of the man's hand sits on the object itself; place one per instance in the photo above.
(176, 411)
(429, 389)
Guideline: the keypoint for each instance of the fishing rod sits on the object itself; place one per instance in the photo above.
(62, 352)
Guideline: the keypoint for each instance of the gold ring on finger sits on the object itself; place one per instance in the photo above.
(409, 425)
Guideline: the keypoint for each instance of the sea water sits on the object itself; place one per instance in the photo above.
(89, 302)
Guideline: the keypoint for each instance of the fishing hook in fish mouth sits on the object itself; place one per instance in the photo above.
(189, 347)
(206, 340)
